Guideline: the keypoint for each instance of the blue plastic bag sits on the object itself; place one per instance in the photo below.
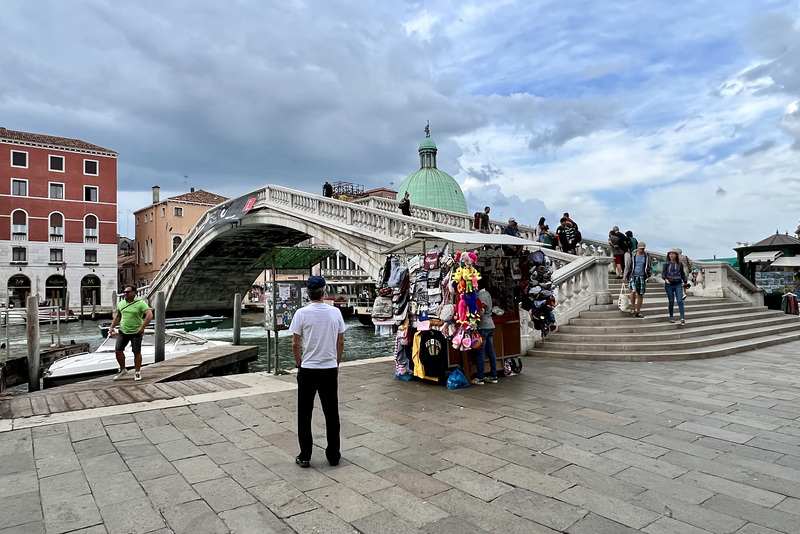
(457, 380)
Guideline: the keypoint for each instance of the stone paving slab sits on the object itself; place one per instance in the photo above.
(690, 447)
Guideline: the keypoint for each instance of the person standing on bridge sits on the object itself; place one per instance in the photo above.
(133, 315)
(327, 190)
(317, 345)
(637, 271)
(405, 205)
(674, 279)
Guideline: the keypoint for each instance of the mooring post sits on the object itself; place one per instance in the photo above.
(32, 326)
(161, 326)
(94, 303)
(237, 319)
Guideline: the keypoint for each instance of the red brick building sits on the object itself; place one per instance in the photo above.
(58, 219)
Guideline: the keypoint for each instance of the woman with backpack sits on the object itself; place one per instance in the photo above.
(674, 278)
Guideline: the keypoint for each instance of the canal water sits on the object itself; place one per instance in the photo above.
(361, 342)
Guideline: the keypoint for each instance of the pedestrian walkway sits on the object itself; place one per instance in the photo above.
(685, 447)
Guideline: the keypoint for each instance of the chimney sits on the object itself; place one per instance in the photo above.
(156, 194)
(191, 189)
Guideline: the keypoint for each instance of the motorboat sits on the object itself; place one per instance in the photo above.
(187, 324)
(103, 361)
(19, 317)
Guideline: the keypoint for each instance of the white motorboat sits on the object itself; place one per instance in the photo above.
(46, 315)
(103, 361)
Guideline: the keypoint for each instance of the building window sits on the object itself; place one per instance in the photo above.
(56, 191)
(19, 226)
(56, 163)
(137, 221)
(56, 255)
(19, 159)
(177, 212)
(176, 242)
(90, 229)
(91, 167)
(56, 227)
(90, 256)
(19, 188)
(90, 193)
(163, 212)
(19, 254)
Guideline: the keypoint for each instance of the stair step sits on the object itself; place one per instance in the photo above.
(610, 317)
(722, 349)
(632, 344)
(669, 331)
(636, 325)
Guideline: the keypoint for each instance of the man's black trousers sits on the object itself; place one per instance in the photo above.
(309, 383)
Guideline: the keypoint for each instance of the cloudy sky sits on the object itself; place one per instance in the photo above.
(678, 120)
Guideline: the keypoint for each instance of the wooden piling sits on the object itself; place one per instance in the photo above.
(161, 329)
(237, 319)
(32, 328)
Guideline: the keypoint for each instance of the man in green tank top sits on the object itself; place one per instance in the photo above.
(133, 315)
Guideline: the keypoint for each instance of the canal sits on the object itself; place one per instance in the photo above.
(360, 341)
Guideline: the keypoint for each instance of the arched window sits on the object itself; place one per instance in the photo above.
(90, 229)
(176, 242)
(19, 226)
(56, 226)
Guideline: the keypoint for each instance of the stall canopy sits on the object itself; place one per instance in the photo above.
(293, 257)
(762, 255)
(420, 242)
(787, 261)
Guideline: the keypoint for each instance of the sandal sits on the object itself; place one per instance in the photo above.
(302, 463)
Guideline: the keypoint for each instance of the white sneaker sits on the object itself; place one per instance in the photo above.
(137, 375)
(122, 372)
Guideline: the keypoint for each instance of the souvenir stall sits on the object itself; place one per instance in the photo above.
(427, 298)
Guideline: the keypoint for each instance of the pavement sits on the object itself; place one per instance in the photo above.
(688, 447)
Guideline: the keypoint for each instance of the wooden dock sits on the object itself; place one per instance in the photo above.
(192, 374)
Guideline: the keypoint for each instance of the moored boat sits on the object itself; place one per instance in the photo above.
(103, 361)
(188, 324)
(46, 315)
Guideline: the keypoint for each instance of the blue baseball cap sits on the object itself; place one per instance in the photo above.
(315, 282)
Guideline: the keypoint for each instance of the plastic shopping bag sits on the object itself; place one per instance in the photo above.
(623, 302)
(457, 380)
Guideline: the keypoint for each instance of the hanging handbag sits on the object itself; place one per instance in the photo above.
(623, 301)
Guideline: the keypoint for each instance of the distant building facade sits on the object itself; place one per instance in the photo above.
(162, 226)
(58, 220)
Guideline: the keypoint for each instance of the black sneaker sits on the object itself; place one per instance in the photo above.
(490, 379)
(302, 463)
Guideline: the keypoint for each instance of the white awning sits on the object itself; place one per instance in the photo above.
(421, 241)
(787, 261)
(764, 255)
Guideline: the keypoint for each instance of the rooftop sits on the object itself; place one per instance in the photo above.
(200, 197)
(28, 137)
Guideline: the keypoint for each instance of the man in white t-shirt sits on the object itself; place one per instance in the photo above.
(317, 345)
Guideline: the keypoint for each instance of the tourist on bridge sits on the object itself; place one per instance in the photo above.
(317, 346)
(133, 315)
(512, 229)
(619, 245)
(484, 228)
(405, 205)
(674, 278)
(327, 190)
(538, 230)
(567, 217)
(568, 237)
(636, 274)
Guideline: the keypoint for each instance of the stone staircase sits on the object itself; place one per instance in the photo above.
(714, 327)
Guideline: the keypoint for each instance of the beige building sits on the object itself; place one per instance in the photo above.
(162, 227)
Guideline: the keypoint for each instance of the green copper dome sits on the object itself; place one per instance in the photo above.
(429, 186)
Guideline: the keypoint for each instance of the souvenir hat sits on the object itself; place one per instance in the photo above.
(641, 244)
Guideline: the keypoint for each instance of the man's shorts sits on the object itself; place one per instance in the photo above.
(134, 339)
(618, 259)
(638, 284)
